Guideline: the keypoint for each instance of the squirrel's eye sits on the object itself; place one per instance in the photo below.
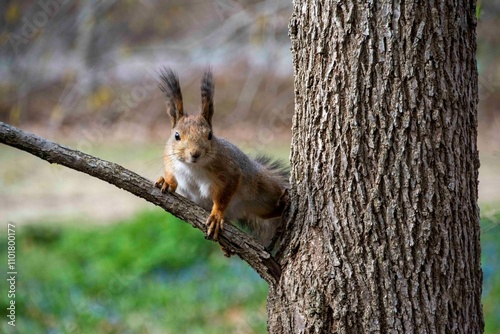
(177, 136)
(210, 135)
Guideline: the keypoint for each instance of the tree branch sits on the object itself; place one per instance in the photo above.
(231, 238)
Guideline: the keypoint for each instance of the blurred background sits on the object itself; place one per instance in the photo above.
(94, 259)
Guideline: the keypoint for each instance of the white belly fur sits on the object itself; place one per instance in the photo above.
(193, 183)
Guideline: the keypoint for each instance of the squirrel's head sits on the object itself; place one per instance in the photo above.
(191, 139)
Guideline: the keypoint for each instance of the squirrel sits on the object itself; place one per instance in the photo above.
(216, 174)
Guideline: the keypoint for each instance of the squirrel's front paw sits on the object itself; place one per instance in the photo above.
(215, 223)
(164, 185)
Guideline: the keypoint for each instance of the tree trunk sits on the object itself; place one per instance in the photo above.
(383, 231)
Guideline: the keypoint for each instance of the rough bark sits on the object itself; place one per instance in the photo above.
(231, 238)
(383, 230)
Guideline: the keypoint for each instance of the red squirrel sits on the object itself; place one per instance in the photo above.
(216, 174)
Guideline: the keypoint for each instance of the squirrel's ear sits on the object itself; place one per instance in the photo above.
(170, 86)
(207, 96)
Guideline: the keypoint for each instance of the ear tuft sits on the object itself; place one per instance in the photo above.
(169, 85)
(207, 96)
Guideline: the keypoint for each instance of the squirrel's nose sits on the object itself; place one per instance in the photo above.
(195, 154)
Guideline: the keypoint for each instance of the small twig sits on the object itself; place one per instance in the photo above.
(231, 238)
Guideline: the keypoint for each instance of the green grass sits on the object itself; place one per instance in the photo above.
(155, 274)
(490, 261)
(149, 274)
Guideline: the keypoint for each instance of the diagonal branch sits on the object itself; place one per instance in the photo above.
(231, 238)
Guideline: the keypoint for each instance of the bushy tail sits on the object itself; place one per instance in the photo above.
(277, 167)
